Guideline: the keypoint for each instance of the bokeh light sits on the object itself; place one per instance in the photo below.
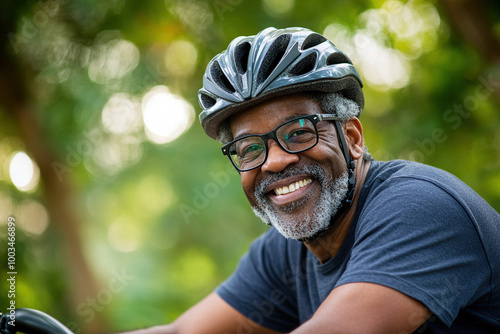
(24, 173)
(125, 235)
(383, 67)
(181, 58)
(278, 7)
(197, 15)
(122, 114)
(380, 65)
(33, 218)
(114, 153)
(113, 60)
(387, 40)
(166, 115)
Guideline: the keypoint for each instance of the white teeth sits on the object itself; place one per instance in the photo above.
(293, 187)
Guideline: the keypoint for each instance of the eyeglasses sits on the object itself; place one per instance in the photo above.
(294, 136)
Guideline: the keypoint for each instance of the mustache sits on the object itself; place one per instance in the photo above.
(316, 171)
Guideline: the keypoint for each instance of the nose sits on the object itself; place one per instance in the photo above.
(277, 158)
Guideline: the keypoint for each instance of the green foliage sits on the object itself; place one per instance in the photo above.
(172, 215)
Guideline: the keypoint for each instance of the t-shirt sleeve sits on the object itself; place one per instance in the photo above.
(257, 288)
(422, 243)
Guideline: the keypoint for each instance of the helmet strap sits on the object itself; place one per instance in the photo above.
(349, 161)
(350, 186)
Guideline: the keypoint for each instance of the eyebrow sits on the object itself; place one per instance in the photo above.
(286, 119)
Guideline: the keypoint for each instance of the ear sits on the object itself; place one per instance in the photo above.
(353, 132)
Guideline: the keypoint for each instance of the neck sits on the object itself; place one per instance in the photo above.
(328, 245)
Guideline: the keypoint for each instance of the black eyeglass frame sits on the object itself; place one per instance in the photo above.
(315, 119)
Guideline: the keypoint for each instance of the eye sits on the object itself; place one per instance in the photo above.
(251, 148)
(297, 133)
(248, 150)
(300, 135)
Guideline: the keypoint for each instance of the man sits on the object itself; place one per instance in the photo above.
(356, 245)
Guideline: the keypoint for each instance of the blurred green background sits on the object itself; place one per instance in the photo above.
(126, 213)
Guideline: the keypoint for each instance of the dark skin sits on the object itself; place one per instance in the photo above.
(350, 308)
(327, 153)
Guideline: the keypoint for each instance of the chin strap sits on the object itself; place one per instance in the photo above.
(350, 185)
(349, 161)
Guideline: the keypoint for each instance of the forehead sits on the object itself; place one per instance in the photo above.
(266, 116)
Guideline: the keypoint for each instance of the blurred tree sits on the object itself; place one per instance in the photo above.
(21, 109)
(475, 22)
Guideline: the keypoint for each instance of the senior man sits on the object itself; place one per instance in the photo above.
(355, 245)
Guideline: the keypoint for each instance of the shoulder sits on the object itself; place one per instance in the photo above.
(423, 209)
(403, 180)
(416, 207)
(402, 196)
(419, 225)
(405, 185)
(391, 184)
(383, 171)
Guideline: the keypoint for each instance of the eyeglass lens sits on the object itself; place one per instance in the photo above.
(294, 136)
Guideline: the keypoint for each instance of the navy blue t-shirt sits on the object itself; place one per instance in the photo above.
(417, 229)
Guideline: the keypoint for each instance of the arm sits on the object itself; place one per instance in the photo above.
(366, 308)
(210, 316)
(350, 308)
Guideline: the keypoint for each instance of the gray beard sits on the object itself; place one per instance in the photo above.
(302, 225)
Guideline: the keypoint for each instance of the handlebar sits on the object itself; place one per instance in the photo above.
(31, 321)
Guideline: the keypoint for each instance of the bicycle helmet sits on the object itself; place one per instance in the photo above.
(278, 62)
(273, 63)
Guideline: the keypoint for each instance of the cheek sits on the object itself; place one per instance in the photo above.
(248, 184)
(330, 157)
(328, 146)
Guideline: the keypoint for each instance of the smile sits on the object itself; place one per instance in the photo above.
(292, 187)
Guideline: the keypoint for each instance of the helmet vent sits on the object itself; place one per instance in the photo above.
(305, 65)
(241, 57)
(312, 40)
(337, 58)
(207, 101)
(273, 57)
(220, 78)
